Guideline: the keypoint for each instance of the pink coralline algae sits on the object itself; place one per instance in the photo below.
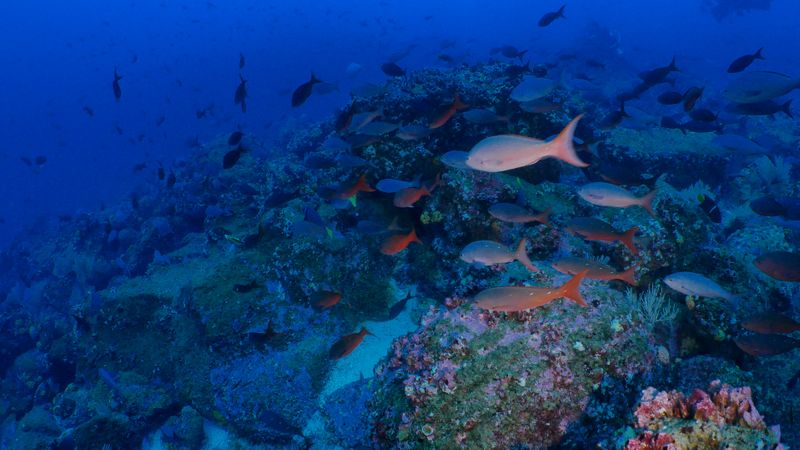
(726, 405)
(721, 417)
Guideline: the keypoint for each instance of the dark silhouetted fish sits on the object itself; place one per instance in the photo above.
(245, 288)
(743, 62)
(759, 86)
(765, 108)
(786, 207)
(770, 323)
(670, 98)
(669, 122)
(548, 18)
(115, 85)
(392, 69)
(89, 111)
(783, 266)
(702, 127)
(232, 157)
(702, 115)
(240, 96)
(659, 74)
(346, 344)
(691, 96)
(241, 61)
(399, 307)
(614, 118)
(709, 206)
(301, 94)
(235, 138)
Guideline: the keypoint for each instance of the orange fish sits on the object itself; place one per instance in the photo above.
(597, 270)
(451, 111)
(349, 192)
(783, 266)
(766, 344)
(771, 323)
(397, 243)
(509, 212)
(405, 198)
(325, 299)
(593, 229)
(347, 343)
(523, 298)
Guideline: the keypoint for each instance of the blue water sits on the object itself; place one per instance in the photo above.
(58, 58)
(72, 243)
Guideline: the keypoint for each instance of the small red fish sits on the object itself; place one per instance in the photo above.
(347, 343)
(360, 186)
(593, 229)
(783, 266)
(398, 242)
(451, 111)
(766, 344)
(405, 198)
(325, 299)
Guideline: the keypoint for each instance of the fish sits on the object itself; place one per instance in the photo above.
(771, 323)
(539, 106)
(245, 288)
(738, 143)
(743, 62)
(115, 85)
(701, 127)
(691, 96)
(399, 307)
(351, 191)
(593, 229)
(766, 344)
(344, 119)
(302, 92)
(548, 18)
(347, 343)
(456, 106)
(398, 242)
(659, 74)
(413, 131)
(489, 253)
(232, 157)
(595, 270)
(391, 186)
(392, 69)
(787, 207)
(171, 179)
(235, 138)
(322, 300)
(509, 51)
(709, 206)
(378, 128)
(532, 88)
(694, 284)
(670, 98)
(405, 198)
(241, 61)
(89, 111)
(240, 96)
(507, 152)
(483, 116)
(763, 108)
(455, 159)
(523, 298)
(260, 337)
(702, 115)
(782, 266)
(607, 194)
(509, 212)
(360, 120)
(614, 118)
(759, 86)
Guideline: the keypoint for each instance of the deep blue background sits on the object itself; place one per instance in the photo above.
(57, 57)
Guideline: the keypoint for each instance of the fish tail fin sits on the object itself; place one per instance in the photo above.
(646, 202)
(544, 216)
(629, 276)
(786, 108)
(314, 79)
(457, 103)
(393, 226)
(622, 109)
(561, 147)
(571, 289)
(627, 240)
(758, 54)
(521, 255)
(413, 236)
(673, 66)
(363, 186)
(561, 11)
